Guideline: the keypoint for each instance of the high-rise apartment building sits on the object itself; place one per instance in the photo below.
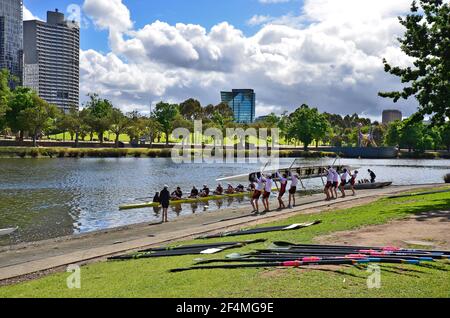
(11, 38)
(52, 58)
(391, 115)
(242, 102)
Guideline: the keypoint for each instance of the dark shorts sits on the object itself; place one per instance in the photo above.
(256, 195)
(343, 183)
(292, 190)
(335, 185)
(281, 194)
(266, 195)
(329, 184)
(353, 182)
(165, 205)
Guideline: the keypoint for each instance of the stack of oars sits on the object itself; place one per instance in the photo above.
(284, 254)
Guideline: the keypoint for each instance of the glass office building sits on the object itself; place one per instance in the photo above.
(242, 102)
(11, 37)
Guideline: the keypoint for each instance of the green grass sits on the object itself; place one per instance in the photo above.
(149, 278)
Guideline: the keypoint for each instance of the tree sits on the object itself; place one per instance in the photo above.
(119, 124)
(411, 136)
(99, 118)
(427, 41)
(191, 109)
(319, 129)
(38, 119)
(165, 114)
(5, 96)
(392, 137)
(22, 98)
(302, 124)
(445, 135)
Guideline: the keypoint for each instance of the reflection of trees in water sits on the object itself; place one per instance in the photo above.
(39, 214)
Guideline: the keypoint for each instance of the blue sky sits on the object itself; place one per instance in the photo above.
(204, 12)
(334, 64)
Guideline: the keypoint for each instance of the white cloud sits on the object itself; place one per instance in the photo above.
(333, 62)
(27, 15)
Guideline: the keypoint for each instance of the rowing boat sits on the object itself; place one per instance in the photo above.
(184, 201)
(8, 231)
(306, 172)
(369, 186)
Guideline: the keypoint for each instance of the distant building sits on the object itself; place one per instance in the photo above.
(391, 115)
(11, 37)
(52, 59)
(242, 102)
(261, 118)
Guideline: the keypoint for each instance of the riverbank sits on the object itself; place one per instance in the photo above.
(66, 152)
(149, 278)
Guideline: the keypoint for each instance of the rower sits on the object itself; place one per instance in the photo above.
(177, 194)
(230, 189)
(156, 198)
(283, 185)
(293, 190)
(259, 187)
(353, 181)
(344, 179)
(205, 191)
(328, 187)
(165, 201)
(267, 191)
(194, 193)
(373, 176)
(219, 190)
(240, 188)
(336, 178)
(251, 187)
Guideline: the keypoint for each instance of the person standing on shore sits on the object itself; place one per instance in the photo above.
(373, 176)
(329, 185)
(336, 178)
(267, 191)
(259, 187)
(164, 197)
(353, 181)
(283, 185)
(344, 179)
(293, 190)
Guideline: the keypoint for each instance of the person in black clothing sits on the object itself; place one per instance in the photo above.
(164, 197)
(373, 176)
(194, 193)
(177, 194)
(156, 198)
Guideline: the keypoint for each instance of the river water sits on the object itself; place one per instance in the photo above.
(50, 198)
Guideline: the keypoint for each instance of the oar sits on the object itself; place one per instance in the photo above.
(209, 245)
(298, 264)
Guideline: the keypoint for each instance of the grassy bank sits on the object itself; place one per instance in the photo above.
(149, 278)
(63, 152)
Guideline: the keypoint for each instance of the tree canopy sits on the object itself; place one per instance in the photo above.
(427, 41)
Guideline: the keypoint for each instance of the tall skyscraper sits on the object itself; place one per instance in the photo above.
(11, 37)
(391, 115)
(242, 102)
(52, 60)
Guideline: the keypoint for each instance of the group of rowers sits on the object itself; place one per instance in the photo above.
(263, 186)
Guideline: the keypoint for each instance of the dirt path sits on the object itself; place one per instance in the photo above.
(425, 230)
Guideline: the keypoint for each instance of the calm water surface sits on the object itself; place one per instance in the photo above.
(51, 198)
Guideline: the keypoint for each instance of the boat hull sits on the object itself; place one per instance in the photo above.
(369, 186)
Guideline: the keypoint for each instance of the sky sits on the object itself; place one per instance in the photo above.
(324, 53)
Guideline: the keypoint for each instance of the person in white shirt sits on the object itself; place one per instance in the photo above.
(259, 187)
(336, 178)
(283, 185)
(293, 190)
(267, 191)
(344, 181)
(328, 187)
